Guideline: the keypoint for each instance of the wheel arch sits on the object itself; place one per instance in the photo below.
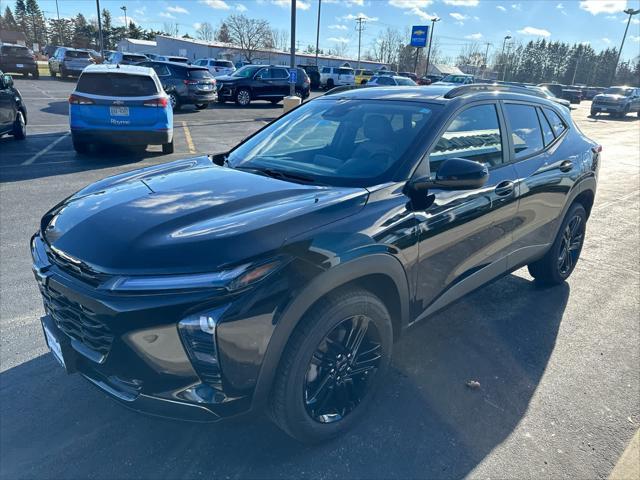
(381, 274)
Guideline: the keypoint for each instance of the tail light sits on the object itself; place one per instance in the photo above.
(157, 102)
(79, 100)
(597, 149)
(190, 82)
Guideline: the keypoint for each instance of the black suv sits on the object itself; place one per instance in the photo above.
(13, 111)
(261, 82)
(185, 84)
(18, 59)
(279, 273)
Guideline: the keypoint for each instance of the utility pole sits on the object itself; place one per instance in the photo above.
(575, 70)
(59, 26)
(631, 12)
(100, 44)
(360, 21)
(433, 24)
(504, 63)
(318, 31)
(486, 60)
(126, 21)
(292, 59)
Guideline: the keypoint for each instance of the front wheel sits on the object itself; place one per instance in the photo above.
(332, 366)
(559, 262)
(167, 148)
(201, 106)
(243, 97)
(19, 127)
(80, 147)
(36, 74)
(52, 73)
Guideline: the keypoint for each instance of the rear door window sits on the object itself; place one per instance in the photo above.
(557, 124)
(526, 134)
(117, 85)
(76, 54)
(326, 70)
(474, 134)
(547, 131)
(345, 71)
(223, 63)
(279, 73)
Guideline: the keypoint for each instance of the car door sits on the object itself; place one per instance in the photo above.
(547, 169)
(280, 81)
(262, 83)
(465, 236)
(7, 105)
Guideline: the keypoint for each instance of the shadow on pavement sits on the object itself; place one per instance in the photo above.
(425, 422)
(59, 107)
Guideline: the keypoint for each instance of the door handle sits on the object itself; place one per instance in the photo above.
(504, 188)
(566, 166)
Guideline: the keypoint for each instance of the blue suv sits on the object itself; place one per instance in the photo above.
(120, 104)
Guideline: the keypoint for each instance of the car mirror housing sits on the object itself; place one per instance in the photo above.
(453, 174)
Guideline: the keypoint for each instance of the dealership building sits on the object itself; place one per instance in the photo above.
(194, 49)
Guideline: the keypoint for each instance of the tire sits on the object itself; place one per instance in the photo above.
(593, 113)
(36, 75)
(174, 101)
(167, 148)
(243, 97)
(626, 110)
(201, 106)
(363, 82)
(19, 127)
(551, 269)
(80, 147)
(221, 100)
(274, 102)
(330, 84)
(52, 73)
(638, 113)
(335, 314)
(63, 73)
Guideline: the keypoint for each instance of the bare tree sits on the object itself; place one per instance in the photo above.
(279, 39)
(250, 34)
(205, 32)
(171, 28)
(339, 49)
(387, 45)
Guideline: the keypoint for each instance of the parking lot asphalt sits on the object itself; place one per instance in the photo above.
(559, 368)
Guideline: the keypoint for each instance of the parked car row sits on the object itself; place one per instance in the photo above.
(18, 59)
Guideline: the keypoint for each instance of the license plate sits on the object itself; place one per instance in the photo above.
(19, 65)
(206, 87)
(119, 111)
(54, 346)
(604, 109)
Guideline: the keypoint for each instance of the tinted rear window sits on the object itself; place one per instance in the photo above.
(223, 63)
(345, 71)
(199, 73)
(134, 58)
(18, 51)
(76, 54)
(116, 85)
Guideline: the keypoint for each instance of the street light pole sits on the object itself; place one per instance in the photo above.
(126, 21)
(318, 31)
(504, 63)
(433, 24)
(100, 29)
(292, 60)
(631, 12)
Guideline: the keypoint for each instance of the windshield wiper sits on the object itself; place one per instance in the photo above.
(279, 174)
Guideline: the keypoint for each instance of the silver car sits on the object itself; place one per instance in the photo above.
(216, 67)
(69, 62)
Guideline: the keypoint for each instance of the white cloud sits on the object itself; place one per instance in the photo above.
(459, 17)
(462, 3)
(501, 8)
(196, 25)
(418, 12)
(536, 32)
(166, 15)
(241, 8)
(594, 7)
(516, 6)
(634, 21)
(474, 36)
(338, 27)
(560, 6)
(338, 39)
(351, 16)
(410, 3)
(177, 9)
(606, 40)
(140, 11)
(358, 3)
(300, 4)
(635, 38)
(216, 4)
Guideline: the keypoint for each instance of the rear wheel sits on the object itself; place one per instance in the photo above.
(556, 266)
(243, 97)
(625, 111)
(274, 101)
(330, 84)
(19, 127)
(174, 101)
(201, 106)
(167, 148)
(80, 147)
(36, 74)
(332, 366)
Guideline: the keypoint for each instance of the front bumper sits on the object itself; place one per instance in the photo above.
(25, 68)
(199, 96)
(600, 107)
(124, 137)
(131, 348)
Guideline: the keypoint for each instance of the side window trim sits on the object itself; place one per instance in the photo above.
(564, 123)
(542, 121)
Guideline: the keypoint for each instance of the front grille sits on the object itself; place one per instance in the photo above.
(607, 103)
(80, 270)
(77, 321)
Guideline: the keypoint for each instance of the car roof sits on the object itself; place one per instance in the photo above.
(190, 66)
(5, 44)
(437, 94)
(124, 69)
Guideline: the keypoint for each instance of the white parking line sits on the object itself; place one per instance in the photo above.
(30, 160)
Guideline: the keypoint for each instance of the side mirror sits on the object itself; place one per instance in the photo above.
(7, 81)
(453, 174)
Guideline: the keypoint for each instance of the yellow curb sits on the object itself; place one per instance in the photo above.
(628, 466)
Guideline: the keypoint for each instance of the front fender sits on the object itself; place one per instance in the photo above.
(329, 280)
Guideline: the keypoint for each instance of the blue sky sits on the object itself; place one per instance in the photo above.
(599, 22)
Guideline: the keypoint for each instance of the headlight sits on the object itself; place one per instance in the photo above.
(232, 279)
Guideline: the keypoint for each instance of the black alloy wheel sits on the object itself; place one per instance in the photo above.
(571, 245)
(341, 369)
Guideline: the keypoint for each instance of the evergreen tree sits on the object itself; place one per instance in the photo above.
(134, 31)
(38, 23)
(81, 32)
(22, 21)
(223, 35)
(8, 21)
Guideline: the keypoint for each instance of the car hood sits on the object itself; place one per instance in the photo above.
(189, 216)
(611, 97)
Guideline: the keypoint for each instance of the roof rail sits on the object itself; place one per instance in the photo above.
(491, 87)
(344, 88)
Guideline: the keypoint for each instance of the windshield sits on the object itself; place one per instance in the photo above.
(76, 54)
(246, 71)
(17, 51)
(618, 91)
(455, 78)
(338, 142)
(547, 92)
(405, 81)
